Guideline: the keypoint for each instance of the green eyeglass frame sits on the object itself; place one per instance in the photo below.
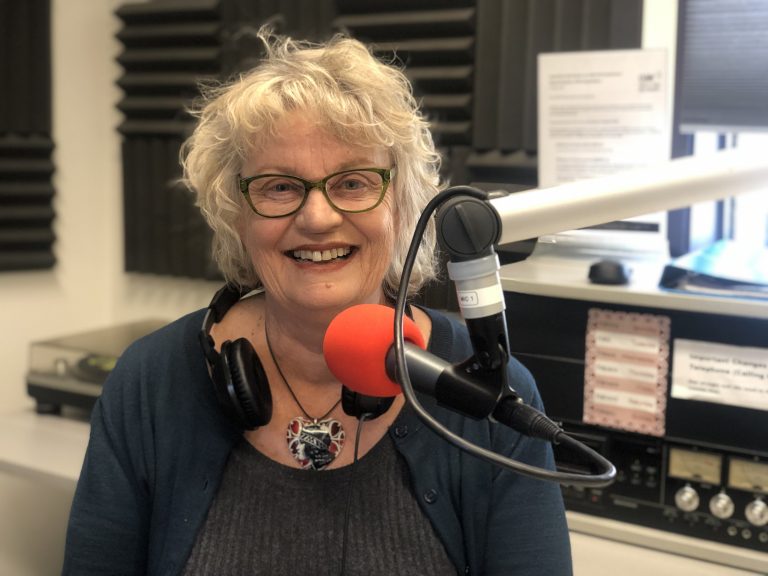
(309, 185)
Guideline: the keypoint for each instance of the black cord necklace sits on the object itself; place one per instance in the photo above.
(313, 442)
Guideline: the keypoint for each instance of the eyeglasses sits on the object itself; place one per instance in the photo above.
(353, 191)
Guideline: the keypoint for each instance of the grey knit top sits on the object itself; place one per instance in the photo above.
(268, 518)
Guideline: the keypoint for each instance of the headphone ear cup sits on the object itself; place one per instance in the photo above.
(359, 405)
(246, 393)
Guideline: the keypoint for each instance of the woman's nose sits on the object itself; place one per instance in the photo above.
(317, 213)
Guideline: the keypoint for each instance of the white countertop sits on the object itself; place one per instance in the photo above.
(601, 545)
(567, 277)
(50, 447)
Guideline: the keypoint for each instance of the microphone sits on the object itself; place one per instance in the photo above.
(359, 350)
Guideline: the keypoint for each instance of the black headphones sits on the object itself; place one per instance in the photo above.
(239, 380)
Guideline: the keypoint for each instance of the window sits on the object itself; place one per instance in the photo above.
(741, 218)
(750, 211)
(722, 102)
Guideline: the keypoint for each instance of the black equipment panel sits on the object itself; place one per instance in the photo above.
(711, 501)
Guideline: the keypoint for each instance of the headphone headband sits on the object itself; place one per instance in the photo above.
(224, 298)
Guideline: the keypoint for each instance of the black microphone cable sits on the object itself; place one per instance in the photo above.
(523, 418)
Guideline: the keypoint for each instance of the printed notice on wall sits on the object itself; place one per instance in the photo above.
(720, 373)
(625, 372)
(601, 113)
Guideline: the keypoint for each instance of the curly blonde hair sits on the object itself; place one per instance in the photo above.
(356, 97)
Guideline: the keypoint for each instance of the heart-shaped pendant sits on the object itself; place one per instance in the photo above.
(315, 444)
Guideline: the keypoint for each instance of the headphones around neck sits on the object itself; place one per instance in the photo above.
(241, 385)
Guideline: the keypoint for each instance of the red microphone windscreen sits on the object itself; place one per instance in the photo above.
(356, 345)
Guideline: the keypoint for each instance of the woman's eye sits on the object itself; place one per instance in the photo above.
(273, 187)
(352, 184)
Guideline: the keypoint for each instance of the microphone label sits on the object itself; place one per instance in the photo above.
(481, 297)
(468, 298)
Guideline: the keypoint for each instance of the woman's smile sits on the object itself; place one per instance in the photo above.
(321, 255)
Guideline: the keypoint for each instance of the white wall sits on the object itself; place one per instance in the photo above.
(87, 288)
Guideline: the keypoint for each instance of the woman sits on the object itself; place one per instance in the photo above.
(312, 171)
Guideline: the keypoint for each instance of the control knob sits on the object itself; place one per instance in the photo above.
(687, 499)
(721, 505)
(757, 512)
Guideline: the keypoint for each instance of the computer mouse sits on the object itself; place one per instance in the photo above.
(609, 271)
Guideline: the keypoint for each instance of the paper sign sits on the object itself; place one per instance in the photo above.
(720, 373)
(601, 113)
(625, 371)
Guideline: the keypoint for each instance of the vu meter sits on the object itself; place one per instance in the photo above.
(694, 466)
(751, 476)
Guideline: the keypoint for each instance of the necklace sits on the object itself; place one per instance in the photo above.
(313, 442)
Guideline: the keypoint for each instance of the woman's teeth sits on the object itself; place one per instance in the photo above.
(321, 255)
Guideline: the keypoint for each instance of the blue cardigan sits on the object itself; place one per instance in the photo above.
(159, 444)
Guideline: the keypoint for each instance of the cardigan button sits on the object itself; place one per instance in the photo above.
(430, 496)
(401, 431)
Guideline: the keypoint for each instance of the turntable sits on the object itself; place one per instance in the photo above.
(70, 370)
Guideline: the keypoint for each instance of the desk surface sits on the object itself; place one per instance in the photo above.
(561, 277)
(595, 556)
(51, 448)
